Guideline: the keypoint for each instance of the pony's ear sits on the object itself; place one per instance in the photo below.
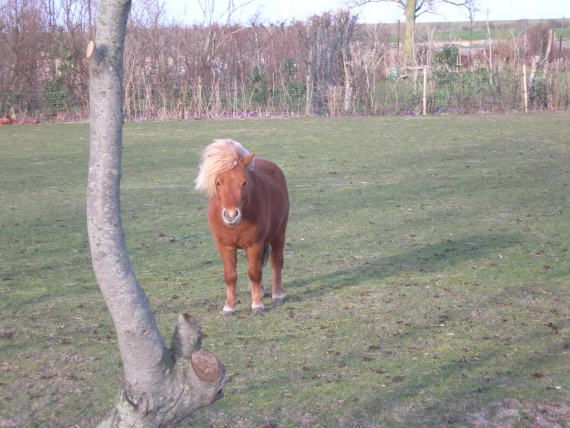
(247, 160)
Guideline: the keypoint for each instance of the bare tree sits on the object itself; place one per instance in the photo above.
(23, 25)
(327, 39)
(161, 385)
(412, 10)
(543, 46)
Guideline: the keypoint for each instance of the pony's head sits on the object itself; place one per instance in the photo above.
(223, 175)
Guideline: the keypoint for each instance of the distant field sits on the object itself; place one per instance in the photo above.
(427, 277)
(455, 31)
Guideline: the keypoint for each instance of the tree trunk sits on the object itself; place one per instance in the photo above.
(409, 33)
(348, 80)
(311, 65)
(490, 42)
(538, 61)
(532, 77)
(161, 386)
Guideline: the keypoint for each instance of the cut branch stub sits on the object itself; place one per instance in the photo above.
(206, 365)
(187, 337)
(93, 52)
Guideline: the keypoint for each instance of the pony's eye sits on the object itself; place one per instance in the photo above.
(218, 183)
(244, 184)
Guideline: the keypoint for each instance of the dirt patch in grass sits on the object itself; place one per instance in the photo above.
(513, 413)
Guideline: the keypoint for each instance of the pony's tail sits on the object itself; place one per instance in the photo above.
(265, 254)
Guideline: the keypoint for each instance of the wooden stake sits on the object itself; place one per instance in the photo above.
(525, 90)
(425, 90)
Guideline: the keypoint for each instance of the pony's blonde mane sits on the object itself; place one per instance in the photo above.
(218, 157)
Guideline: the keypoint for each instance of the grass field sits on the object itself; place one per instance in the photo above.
(461, 30)
(427, 274)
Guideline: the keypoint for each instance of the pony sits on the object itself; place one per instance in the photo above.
(248, 209)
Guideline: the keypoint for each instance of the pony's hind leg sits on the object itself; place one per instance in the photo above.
(276, 259)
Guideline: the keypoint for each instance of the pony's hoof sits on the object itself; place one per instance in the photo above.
(257, 309)
(228, 311)
(278, 300)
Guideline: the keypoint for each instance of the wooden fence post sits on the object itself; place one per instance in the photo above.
(425, 91)
(525, 90)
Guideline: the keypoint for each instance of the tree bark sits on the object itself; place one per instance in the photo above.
(348, 80)
(410, 10)
(160, 386)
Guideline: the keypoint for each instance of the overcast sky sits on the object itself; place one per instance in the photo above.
(189, 11)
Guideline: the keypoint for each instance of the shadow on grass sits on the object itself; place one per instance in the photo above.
(496, 353)
(430, 258)
(513, 364)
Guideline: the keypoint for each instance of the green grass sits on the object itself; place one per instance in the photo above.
(427, 275)
(496, 34)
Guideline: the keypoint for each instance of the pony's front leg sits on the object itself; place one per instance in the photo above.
(254, 270)
(229, 257)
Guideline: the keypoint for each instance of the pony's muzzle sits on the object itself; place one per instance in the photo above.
(231, 217)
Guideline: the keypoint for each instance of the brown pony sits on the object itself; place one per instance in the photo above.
(248, 209)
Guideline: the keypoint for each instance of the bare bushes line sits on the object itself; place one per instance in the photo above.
(326, 65)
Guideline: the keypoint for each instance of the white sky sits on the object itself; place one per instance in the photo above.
(275, 11)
